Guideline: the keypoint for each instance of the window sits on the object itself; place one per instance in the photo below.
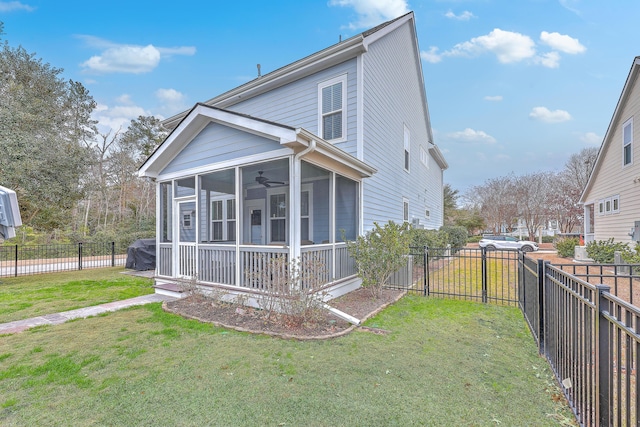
(407, 145)
(186, 221)
(427, 214)
(223, 219)
(627, 141)
(405, 209)
(332, 106)
(601, 207)
(278, 217)
(424, 157)
(615, 204)
(609, 205)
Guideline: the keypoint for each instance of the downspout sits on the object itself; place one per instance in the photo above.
(297, 184)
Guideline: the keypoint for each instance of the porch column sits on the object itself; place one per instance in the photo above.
(295, 187)
(586, 228)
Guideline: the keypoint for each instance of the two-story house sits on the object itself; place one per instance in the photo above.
(296, 161)
(611, 197)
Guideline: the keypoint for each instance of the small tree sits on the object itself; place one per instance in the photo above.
(380, 253)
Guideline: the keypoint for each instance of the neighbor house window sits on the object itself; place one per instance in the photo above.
(407, 145)
(601, 207)
(332, 107)
(615, 204)
(627, 141)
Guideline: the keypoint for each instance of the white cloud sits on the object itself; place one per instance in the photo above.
(570, 5)
(549, 60)
(119, 116)
(172, 100)
(431, 55)
(562, 42)
(10, 6)
(471, 135)
(464, 16)
(506, 45)
(493, 98)
(125, 58)
(372, 12)
(545, 115)
(591, 138)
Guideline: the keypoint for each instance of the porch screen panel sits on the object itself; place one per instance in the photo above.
(185, 187)
(166, 213)
(315, 204)
(217, 207)
(346, 208)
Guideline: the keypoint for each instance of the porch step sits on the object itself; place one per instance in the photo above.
(170, 289)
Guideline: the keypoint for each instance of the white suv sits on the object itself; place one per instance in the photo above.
(507, 242)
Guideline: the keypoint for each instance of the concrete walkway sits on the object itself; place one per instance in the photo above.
(58, 318)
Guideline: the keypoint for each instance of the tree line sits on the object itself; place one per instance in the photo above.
(72, 181)
(533, 200)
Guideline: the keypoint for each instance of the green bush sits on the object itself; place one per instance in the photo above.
(380, 253)
(474, 239)
(547, 239)
(603, 251)
(456, 236)
(566, 247)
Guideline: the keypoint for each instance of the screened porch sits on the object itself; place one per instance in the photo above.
(225, 227)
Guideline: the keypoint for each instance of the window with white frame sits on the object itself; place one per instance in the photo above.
(277, 218)
(332, 100)
(615, 204)
(627, 142)
(405, 209)
(600, 207)
(223, 219)
(407, 146)
(427, 213)
(609, 205)
(424, 157)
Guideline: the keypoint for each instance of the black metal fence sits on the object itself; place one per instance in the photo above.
(581, 316)
(27, 260)
(590, 337)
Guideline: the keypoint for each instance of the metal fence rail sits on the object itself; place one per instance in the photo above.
(28, 260)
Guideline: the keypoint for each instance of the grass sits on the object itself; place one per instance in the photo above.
(444, 363)
(30, 296)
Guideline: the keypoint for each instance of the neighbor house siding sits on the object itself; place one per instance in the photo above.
(392, 100)
(612, 178)
(296, 104)
(217, 143)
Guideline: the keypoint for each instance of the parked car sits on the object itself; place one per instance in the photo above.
(507, 242)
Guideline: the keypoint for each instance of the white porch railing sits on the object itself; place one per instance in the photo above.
(217, 264)
(164, 259)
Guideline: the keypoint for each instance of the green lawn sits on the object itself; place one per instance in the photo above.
(30, 296)
(444, 363)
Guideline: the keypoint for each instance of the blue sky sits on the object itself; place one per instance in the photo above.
(513, 86)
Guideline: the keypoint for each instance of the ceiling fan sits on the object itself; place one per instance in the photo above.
(265, 181)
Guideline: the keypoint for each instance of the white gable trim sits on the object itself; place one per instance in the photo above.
(200, 116)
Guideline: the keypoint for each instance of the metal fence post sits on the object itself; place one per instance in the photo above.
(16, 273)
(484, 275)
(542, 278)
(113, 254)
(80, 256)
(425, 259)
(603, 358)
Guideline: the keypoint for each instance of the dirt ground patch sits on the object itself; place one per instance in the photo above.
(358, 304)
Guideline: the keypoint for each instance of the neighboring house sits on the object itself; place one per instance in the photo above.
(611, 198)
(294, 162)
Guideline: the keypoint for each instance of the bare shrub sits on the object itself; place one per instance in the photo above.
(290, 291)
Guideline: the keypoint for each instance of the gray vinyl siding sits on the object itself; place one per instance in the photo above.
(296, 104)
(612, 178)
(391, 100)
(217, 143)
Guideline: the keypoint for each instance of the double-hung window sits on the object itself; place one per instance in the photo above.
(407, 146)
(405, 209)
(223, 219)
(627, 142)
(332, 108)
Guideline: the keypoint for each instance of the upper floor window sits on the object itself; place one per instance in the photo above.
(405, 209)
(627, 141)
(407, 146)
(424, 157)
(332, 108)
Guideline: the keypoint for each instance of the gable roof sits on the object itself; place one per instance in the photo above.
(201, 115)
(624, 96)
(308, 65)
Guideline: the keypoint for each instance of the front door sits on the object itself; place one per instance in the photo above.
(253, 229)
(186, 253)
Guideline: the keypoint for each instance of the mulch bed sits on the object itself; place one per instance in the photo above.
(359, 304)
